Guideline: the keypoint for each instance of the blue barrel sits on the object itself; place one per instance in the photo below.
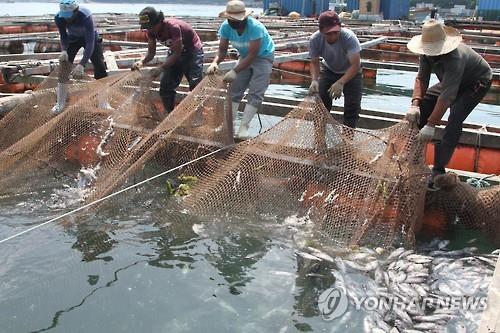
(352, 5)
(488, 5)
(489, 9)
(395, 9)
(306, 8)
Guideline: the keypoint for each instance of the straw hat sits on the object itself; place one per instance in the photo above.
(435, 39)
(235, 10)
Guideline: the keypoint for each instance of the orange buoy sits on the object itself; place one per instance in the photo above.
(369, 73)
(296, 66)
(11, 29)
(52, 27)
(12, 88)
(464, 158)
(490, 58)
(385, 46)
(137, 36)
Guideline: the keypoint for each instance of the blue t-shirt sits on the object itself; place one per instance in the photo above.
(254, 30)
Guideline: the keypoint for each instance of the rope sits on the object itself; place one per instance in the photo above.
(112, 195)
(479, 182)
(483, 128)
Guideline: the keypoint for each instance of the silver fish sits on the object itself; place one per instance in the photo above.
(425, 326)
(396, 253)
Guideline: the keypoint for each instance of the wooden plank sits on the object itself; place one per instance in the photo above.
(110, 60)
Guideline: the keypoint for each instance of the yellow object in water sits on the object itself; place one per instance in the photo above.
(294, 15)
(181, 185)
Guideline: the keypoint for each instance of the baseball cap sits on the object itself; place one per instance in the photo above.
(329, 21)
(67, 8)
(149, 17)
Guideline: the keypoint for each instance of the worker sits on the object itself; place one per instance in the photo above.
(185, 54)
(77, 30)
(255, 64)
(340, 70)
(464, 78)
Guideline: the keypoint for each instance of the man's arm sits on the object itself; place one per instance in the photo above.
(150, 54)
(253, 51)
(421, 81)
(63, 34)
(439, 110)
(222, 53)
(89, 40)
(355, 61)
(314, 68)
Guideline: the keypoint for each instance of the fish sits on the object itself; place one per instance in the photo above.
(396, 253)
(434, 318)
(319, 254)
(425, 326)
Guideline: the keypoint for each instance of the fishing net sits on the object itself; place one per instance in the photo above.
(460, 203)
(54, 148)
(358, 187)
(36, 109)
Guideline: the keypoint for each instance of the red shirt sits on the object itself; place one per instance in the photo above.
(174, 31)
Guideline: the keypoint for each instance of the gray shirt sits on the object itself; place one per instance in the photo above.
(335, 56)
(458, 69)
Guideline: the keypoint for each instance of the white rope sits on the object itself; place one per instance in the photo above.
(112, 195)
(479, 182)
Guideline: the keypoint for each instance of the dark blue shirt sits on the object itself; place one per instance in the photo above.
(80, 29)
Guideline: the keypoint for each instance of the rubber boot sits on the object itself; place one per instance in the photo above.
(235, 106)
(248, 114)
(62, 95)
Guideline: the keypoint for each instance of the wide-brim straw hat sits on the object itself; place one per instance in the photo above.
(435, 39)
(235, 10)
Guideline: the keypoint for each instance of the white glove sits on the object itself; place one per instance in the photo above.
(63, 56)
(426, 133)
(413, 114)
(314, 87)
(212, 68)
(336, 89)
(230, 76)
(78, 72)
(137, 65)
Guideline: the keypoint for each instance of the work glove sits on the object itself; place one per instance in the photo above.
(314, 87)
(230, 76)
(63, 56)
(426, 133)
(413, 114)
(78, 72)
(155, 72)
(212, 68)
(137, 65)
(335, 90)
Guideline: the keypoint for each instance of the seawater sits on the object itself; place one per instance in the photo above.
(170, 9)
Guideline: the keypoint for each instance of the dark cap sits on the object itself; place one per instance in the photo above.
(149, 17)
(329, 21)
